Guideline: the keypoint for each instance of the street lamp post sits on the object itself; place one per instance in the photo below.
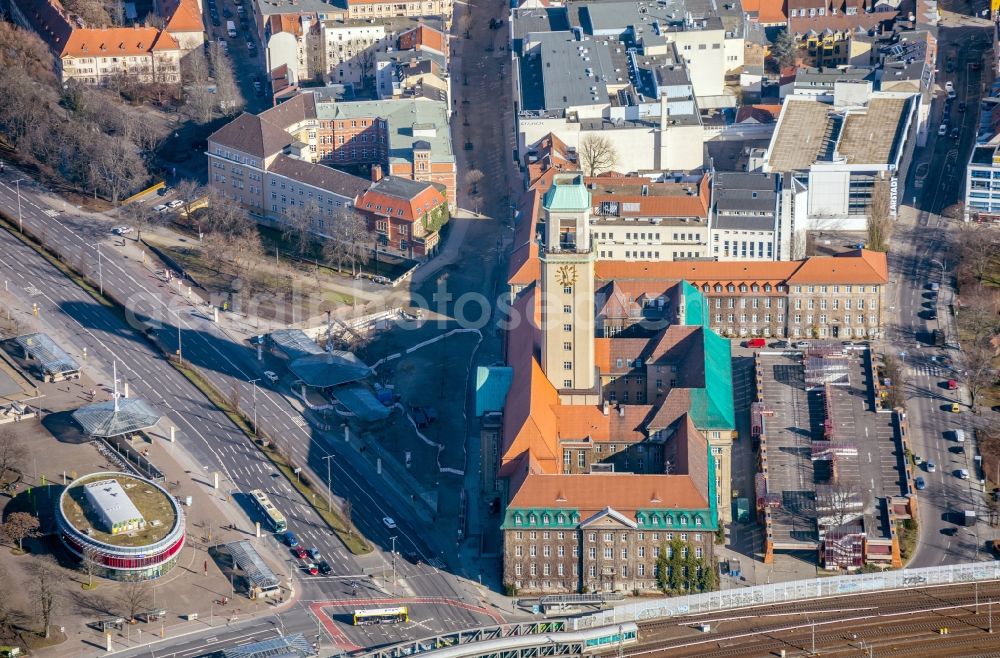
(393, 538)
(180, 349)
(100, 267)
(20, 222)
(254, 382)
(329, 494)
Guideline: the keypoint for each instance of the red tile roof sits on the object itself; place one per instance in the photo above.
(651, 199)
(185, 16)
(381, 202)
(588, 421)
(856, 267)
(769, 12)
(524, 267)
(117, 42)
(423, 37)
(624, 492)
(758, 113)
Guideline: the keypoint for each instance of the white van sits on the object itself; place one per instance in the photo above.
(959, 435)
(231, 29)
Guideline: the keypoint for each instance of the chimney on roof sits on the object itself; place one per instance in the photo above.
(605, 408)
(376, 173)
(663, 112)
(621, 411)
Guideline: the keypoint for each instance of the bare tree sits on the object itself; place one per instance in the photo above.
(980, 373)
(896, 391)
(979, 313)
(298, 226)
(20, 526)
(134, 597)
(597, 154)
(225, 216)
(366, 61)
(978, 247)
(195, 76)
(119, 169)
(472, 178)
(188, 191)
(12, 452)
(226, 89)
(349, 240)
(44, 595)
(139, 216)
(879, 220)
(90, 562)
(93, 12)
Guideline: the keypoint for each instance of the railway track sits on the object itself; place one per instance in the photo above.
(897, 624)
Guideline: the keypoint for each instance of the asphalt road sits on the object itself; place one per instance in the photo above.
(920, 257)
(205, 433)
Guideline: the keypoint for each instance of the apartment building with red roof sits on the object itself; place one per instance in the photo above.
(93, 55)
(405, 216)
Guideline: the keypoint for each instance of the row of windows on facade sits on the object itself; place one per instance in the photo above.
(378, 138)
(823, 289)
(592, 535)
(821, 11)
(609, 552)
(743, 251)
(641, 571)
(235, 157)
(330, 201)
(641, 235)
(373, 9)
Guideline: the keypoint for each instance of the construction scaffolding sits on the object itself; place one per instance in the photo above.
(827, 367)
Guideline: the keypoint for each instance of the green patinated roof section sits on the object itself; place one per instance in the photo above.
(533, 517)
(695, 306)
(567, 194)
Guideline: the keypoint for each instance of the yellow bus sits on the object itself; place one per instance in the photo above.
(381, 616)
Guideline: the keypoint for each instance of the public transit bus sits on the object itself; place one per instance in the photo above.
(275, 518)
(381, 616)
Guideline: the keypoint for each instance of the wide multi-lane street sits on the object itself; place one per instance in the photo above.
(921, 256)
(205, 434)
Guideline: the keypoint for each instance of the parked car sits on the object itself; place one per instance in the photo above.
(962, 474)
(919, 483)
(755, 343)
(931, 467)
(176, 203)
(956, 133)
(121, 230)
(300, 552)
(935, 287)
(956, 408)
(312, 569)
(942, 130)
(802, 344)
(291, 540)
(779, 344)
(952, 385)
(160, 207)
(324, 567)
(962, 107)
(315, 554)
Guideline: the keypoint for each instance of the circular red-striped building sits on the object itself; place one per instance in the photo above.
(130, 527)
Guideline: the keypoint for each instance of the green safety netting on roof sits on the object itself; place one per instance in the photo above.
(695, 306)
(492, 384)
(712, 407)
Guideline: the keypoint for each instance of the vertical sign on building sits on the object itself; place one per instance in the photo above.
(893, 196)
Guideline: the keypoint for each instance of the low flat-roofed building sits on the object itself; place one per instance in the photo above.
(117, 511)
(835, 153)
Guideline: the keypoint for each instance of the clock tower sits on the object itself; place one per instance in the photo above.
(567, 258)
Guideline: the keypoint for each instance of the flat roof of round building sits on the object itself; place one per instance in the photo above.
(155, 505)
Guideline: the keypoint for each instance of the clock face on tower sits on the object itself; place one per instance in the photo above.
(566, 275)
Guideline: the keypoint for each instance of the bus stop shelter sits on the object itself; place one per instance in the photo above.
(262, 581)
(55, 364)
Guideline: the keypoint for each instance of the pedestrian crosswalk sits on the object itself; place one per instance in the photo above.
(925, 371)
